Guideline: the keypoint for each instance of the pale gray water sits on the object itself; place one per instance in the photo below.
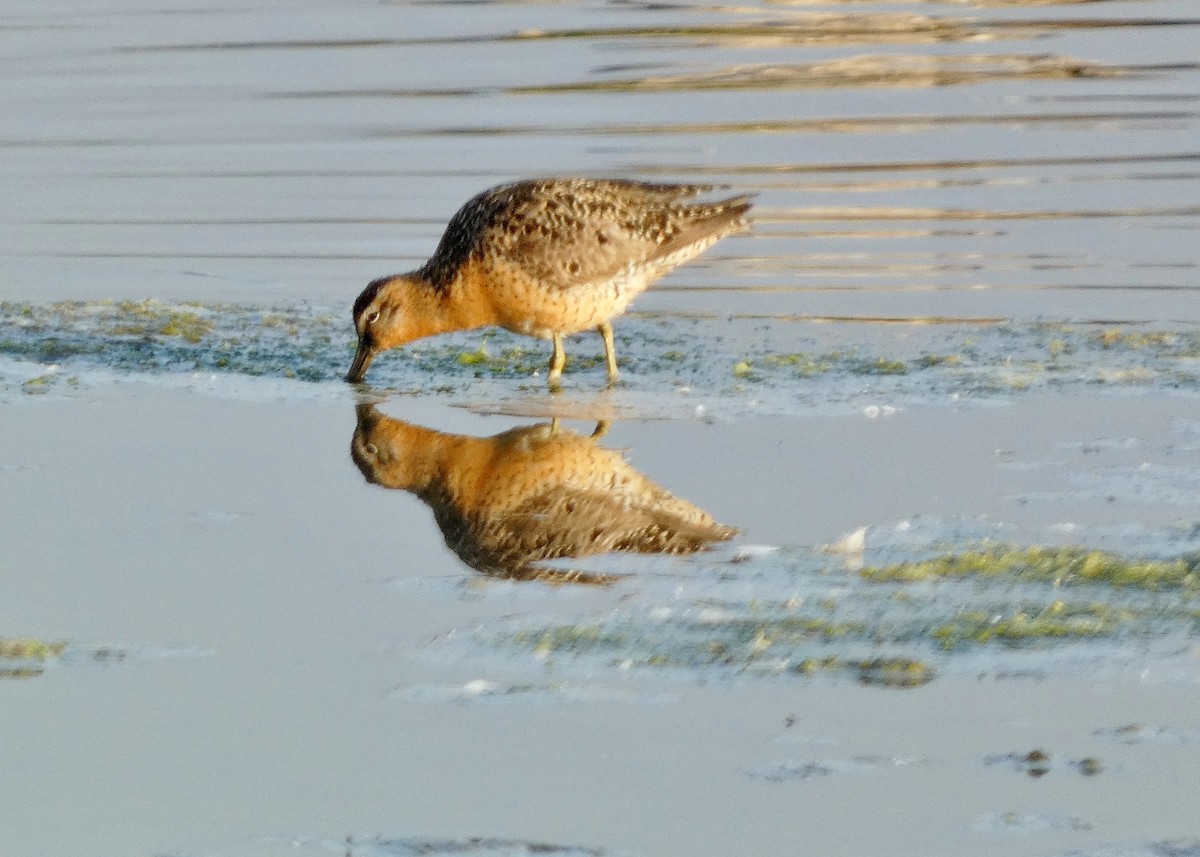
(268, 655)
(912, 159)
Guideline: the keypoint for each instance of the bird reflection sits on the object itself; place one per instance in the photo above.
(539, 492)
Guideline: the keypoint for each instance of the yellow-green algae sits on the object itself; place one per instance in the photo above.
(507, 362)
(764, 632)
(1114, 337)
(881, 366)
(743, 369)
(928, 361)
(312, 344)
(1060, 566)
(1056, 621)
(805, 365)
(23, 657)
(1059, 347)
(883, 672)
(746, 637)
(30, 648)
(739, 643)
(146, 318)
(771, 637)
(37, 386)
(809, 365)
(567, 638)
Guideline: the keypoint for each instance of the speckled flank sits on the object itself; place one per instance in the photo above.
(544, 257)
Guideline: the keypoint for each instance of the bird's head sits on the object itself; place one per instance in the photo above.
(384, 318)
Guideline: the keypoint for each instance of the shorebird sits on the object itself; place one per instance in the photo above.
(546, 258)
(507, 503)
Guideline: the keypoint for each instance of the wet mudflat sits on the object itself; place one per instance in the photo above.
(945, 390)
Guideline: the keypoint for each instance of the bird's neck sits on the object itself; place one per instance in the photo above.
(462, 304)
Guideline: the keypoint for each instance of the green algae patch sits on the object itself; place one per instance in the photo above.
(24, 657)
(795, 645)
(802, 365)
(512, 361)
(880, 366)
(155, 336)
(761, 633)
(741, 641)
(30, 649)
(1028, 625)
(1162, 344)
(1012, 381)
(473, 358)
(1115, 337)
(313, 343)
(1011, 606)
(1134, 376)
(896, 672)
(37, 386)
(1058, 347)
(929, 361)
(1060, 566)
(507, 361)
(567, 639)
(478, 357)
(186, 325)
(146, 318)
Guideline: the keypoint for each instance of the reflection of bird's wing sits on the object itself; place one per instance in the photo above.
(567, 522)
(565, 233)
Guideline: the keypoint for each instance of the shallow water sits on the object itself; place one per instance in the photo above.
(911, 159)
(965, 320)
(305, 660)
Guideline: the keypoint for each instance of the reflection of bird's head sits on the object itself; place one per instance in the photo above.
(362, 449)
(391, 452)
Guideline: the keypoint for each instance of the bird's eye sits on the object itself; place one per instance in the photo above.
(373, 317)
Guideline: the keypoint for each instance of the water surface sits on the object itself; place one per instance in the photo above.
(965, 320)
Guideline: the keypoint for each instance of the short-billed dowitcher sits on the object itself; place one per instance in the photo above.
(544, 257)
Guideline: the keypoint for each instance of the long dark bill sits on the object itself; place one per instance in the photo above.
(362, 359)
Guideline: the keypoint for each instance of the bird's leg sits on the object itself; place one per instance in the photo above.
(557, 361)
(610, 351)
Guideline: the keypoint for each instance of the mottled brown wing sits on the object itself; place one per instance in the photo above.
(570, 233)
(566, 522)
